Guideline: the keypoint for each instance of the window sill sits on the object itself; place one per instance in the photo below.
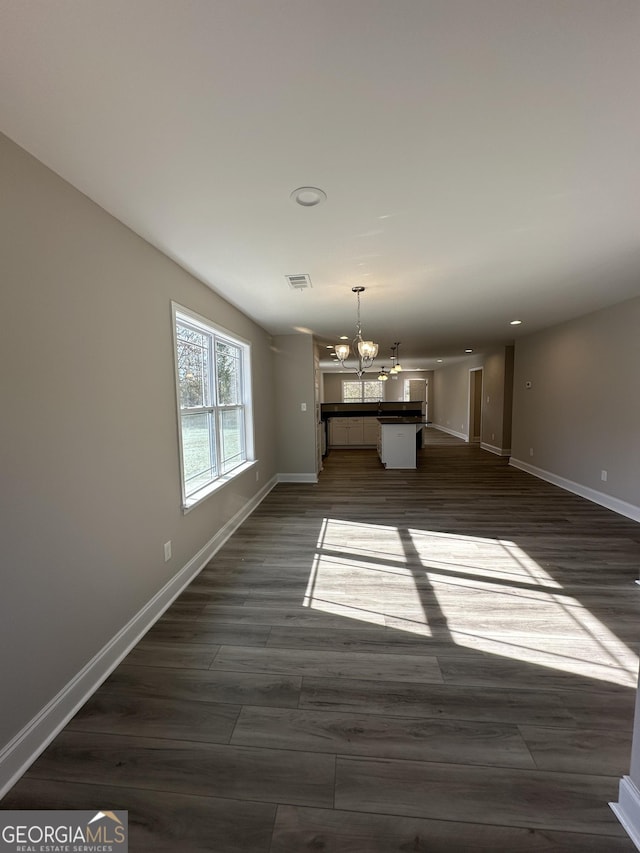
(201, 495)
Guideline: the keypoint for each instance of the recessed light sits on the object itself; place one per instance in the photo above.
(468, 350)
(344, 337)
(308, 196)
(439, 360)
(329, 346)
(515, 323)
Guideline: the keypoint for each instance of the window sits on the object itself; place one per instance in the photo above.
(212, 374)
(362, 391)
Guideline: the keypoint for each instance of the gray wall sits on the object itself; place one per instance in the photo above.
(450, 409)
(581, 415)
(296, 430)
(89, 484)
(332, 386)
(393, 388)
(582, 412)
(497, 394)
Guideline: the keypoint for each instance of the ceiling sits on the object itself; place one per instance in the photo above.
(480, 158)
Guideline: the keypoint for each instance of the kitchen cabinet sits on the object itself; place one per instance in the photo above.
(353, 432)
(339, 430)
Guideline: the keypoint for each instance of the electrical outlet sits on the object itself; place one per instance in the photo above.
(257, 476)
(493, 436)
(603, 475)
(167, 551)
(303, 407)
(531, 451)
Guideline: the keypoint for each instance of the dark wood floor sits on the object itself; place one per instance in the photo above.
(436, 660)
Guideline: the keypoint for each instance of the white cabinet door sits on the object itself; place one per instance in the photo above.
(345, 431)
(355, 431)
(370, 432)
(339, 431)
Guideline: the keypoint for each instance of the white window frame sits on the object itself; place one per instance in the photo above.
(361, 382)
(220, 473)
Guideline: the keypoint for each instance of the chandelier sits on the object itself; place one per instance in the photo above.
(366, 351)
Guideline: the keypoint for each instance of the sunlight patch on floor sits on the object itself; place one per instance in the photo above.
(475, 557)
(488, 595)
(348, 575)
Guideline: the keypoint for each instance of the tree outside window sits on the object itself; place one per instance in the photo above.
(362, 391)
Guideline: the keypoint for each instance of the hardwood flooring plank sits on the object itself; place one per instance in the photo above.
(561, 801)
(280, 616)
(195, 631)
(171, 655)
(377, 640)
(493, 704)
(203, 769)
(144, 716)
(593, 709)
(571, 654)
(599, 751)
(532, 647)
(182, 609)
(202, 594)
(329, 664)
(493, 671)
(160, 822)
(308, 830)
(452, 741)
(237, 688)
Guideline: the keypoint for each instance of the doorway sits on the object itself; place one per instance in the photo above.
(475, 405)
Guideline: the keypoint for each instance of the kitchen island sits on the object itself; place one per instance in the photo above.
(356, 424)
(398, 441)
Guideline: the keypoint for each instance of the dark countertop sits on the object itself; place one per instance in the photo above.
(402, 420)
(376, 410)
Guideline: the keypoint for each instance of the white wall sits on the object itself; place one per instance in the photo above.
(582, 412)
(90, 483)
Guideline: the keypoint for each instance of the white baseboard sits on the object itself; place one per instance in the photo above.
(461, 435)
(17, 755)
(297, 478)
(627, 809)
(596, 497)
(491, 448)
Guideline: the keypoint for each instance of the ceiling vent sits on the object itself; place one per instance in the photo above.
(299, 282)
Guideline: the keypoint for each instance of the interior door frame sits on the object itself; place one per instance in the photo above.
(471, 404)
